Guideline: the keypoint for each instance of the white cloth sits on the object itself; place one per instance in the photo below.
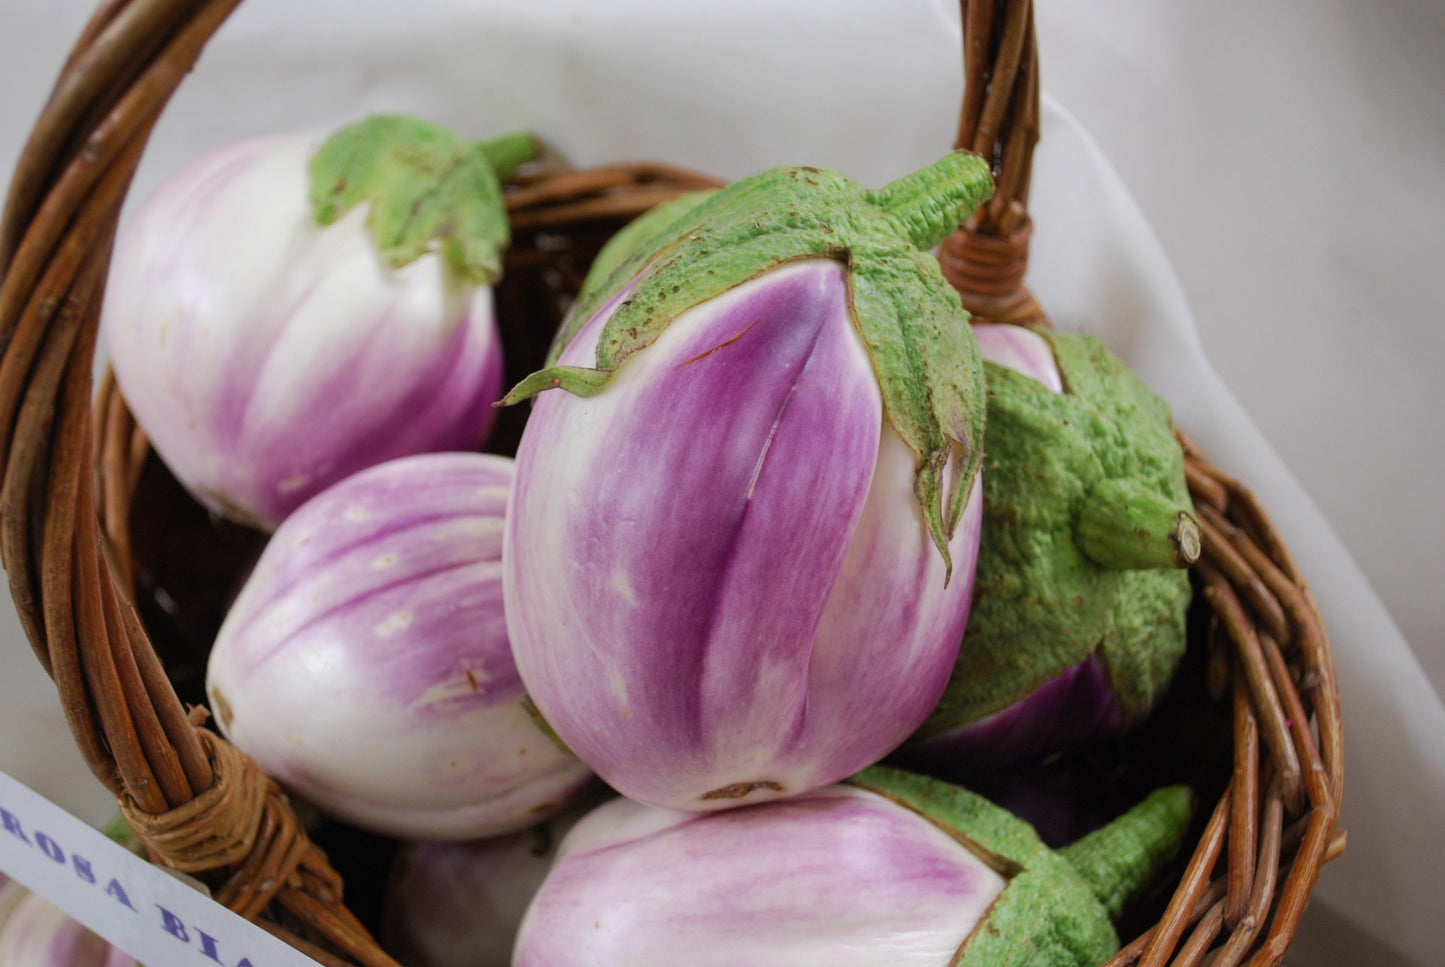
(871, 87)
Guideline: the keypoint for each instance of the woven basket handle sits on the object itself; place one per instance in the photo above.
(199, 805)
(999, 120)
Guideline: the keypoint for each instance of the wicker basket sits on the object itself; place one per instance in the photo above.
(102, 548)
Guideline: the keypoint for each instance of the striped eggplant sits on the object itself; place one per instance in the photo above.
(365, 663)
(287, 310)
(888, 868)
(1078, 619)
(740, 547)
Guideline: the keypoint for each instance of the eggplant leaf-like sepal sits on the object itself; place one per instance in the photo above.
(427, 187)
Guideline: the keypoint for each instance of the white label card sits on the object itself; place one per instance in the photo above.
(140, 908)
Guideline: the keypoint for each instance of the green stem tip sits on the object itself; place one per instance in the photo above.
(1124, 525)
(509, 152)
(930, 203)
(1120, 858)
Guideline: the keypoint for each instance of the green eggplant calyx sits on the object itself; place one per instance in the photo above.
(635, 239)
(428, 188)
(1062, 573)
(1047, 914)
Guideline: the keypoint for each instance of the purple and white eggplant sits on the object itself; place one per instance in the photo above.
(365, 663)
(1078, 614)
(887, 869)
(273, 338)
(728, 553)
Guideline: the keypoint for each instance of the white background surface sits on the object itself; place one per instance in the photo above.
(1287, 156)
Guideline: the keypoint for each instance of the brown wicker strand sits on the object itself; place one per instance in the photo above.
(1206, 491)
(117, 474)
(315, 951)
(1246, 580)
(526, 195)
(255, 882)
(1304, 871)
(1201, 938)
(215, 829)
(102, 683)
(995, 76)
(622, 206)
(63, 659)
(1018, 153)
(96, 177)
(1212, 897)
(1246, 511)
(1322, 778)
(1251, 515)
(338, 926)
(146, 714)
(98, 613)
(1318, 680)
(1225, 602)
(1001, 214)
(244, 823)
(101, 72)
(1243, 933)
(37, 345)
(99, 19)
(1272, 561)
(133, 730)
(976, 17)
(1244, 805)
(179, 728)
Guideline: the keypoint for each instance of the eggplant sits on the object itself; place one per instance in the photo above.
(888, 868)
(287, 310)
(365, 663)
(740, 546)
(1078, 617)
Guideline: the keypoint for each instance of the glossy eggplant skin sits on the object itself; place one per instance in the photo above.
(366, 665)
(887, 868)
(741, 543)
(268, 355)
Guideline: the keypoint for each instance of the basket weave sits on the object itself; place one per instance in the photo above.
(93, 528)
